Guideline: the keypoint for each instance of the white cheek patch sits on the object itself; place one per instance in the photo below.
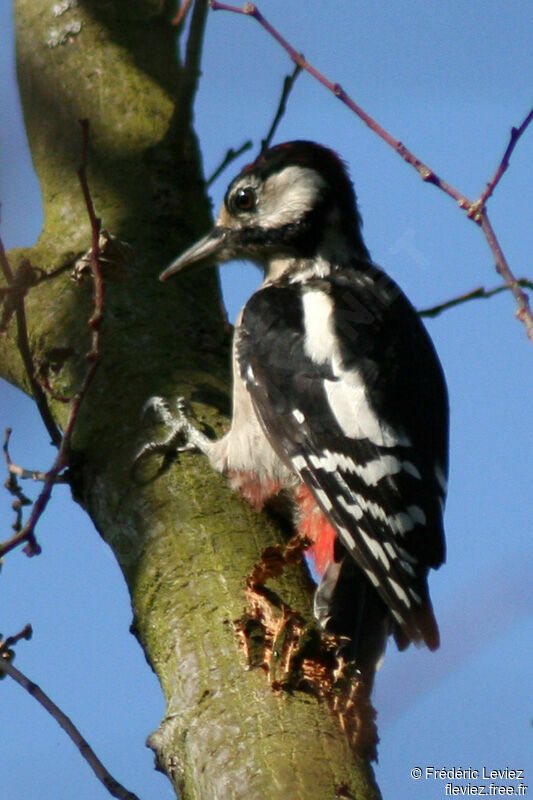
(287, 196)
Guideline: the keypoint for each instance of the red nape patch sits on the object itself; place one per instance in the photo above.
(255, 491)
(315, 526)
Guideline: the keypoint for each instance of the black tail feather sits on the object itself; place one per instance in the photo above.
(347, 606)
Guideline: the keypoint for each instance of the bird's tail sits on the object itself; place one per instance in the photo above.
(347, 606)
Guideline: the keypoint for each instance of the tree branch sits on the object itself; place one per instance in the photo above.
(27, 533)
(230, 156)
(193, 55)
(480, 293)
(288, 83)
(516, 133)
(19, 282)
(113, 786)
(474, 210)
(21, 472)
(18, 504)
(6, 644)
(524, 310)
(426, 173)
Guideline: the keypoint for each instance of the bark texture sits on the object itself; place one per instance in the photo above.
(184, 543)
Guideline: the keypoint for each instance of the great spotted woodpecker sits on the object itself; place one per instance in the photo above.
(339, 399)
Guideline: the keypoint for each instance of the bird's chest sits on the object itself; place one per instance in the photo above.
(245, 449)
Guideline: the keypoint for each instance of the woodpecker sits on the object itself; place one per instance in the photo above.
(339, 399)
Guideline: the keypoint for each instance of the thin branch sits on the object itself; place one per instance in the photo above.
(516, 133)
(288, 83)
(480, 293)
(93, 357)
(113, 786)
(193, 55)
(21, 472)
(474, 210)
(427, 174)
(25, 279)
(24, 345)
(17, 505)
(25, 633)
(524, 310)
(230, 156)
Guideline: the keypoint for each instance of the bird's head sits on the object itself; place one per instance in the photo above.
(294, 203)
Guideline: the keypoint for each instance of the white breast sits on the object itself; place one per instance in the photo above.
(245, 447)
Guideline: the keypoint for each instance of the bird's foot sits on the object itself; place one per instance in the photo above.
(182, 434)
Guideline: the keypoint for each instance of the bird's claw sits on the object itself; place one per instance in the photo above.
(182, 435)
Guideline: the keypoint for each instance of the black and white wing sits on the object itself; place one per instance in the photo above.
(349, 391)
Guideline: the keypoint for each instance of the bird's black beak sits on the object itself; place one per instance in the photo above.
(206, 252)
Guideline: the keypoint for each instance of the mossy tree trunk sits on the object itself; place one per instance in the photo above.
(184, 543)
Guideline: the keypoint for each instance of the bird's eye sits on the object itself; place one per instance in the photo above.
(244, 199)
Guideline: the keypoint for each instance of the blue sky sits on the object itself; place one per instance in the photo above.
(449, 80)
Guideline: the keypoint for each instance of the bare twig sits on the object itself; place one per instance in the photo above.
(480, 293)
(474, 210)
(42, 377)
(24, 279)
(427, 174)
(24, 346)
(25, 633)
(18, 504)
(230, 156)
(21, 472)
(32, 548)
(516, 133)
(61, 462)
(524, 310)
(288, 83)
(113, 786)
(193, 54)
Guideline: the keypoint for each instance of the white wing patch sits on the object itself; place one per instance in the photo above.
(346, 394)
(319, 342)
(349, 403)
